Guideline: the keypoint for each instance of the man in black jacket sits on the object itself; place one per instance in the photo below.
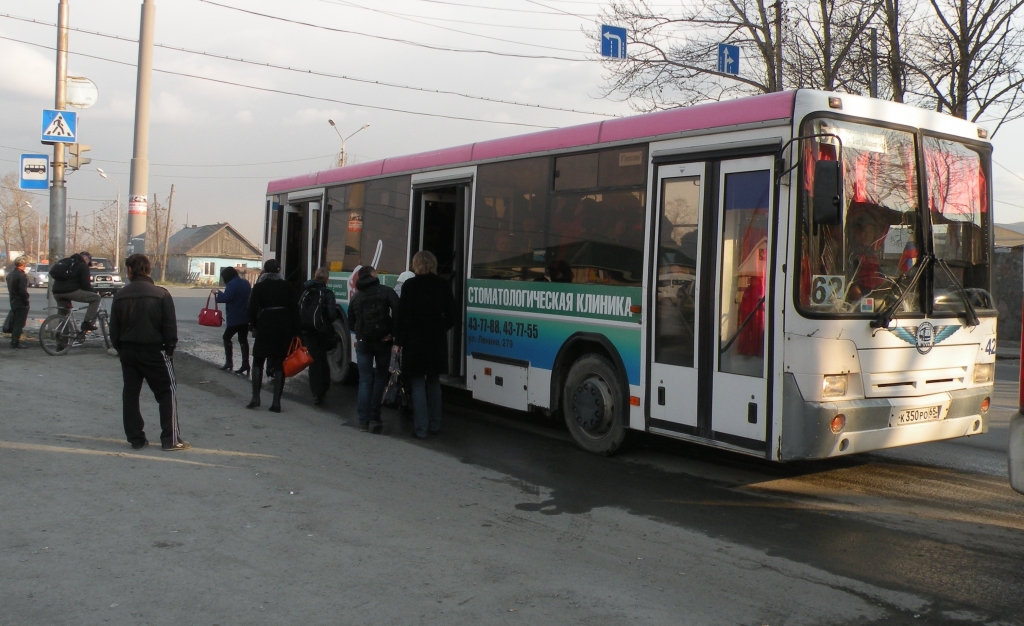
(17, 289)
(71, 283)
(144, 332)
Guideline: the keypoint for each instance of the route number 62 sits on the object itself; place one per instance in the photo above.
(825, 288)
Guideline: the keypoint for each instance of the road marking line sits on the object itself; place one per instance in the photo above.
(34, 447)
(199, 450)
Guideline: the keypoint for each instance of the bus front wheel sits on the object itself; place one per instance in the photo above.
(339, 359)
(592, 405)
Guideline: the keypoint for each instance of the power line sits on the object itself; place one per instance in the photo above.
(452, 30)
(198, 164)
(318, 73)
(448, 19)
(477, 6)
(392, 39)
(290, 93)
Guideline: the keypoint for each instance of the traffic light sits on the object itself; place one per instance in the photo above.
(78, 158)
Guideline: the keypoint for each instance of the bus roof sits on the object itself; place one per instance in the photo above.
(750, 110)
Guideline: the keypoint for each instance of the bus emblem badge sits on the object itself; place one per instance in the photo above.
(926, 336)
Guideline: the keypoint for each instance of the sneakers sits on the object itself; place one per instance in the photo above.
(376, 424)
(139, 446)
(181, 445)
(87, 326)
(363, 428)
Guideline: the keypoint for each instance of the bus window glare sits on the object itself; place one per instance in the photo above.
(834, 386)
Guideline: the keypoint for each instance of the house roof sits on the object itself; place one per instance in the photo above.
(186, 240)
(1007, 238)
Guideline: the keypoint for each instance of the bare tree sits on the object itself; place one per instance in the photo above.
(825, 47)
(673, 58)
(19, 221)
(971, 66)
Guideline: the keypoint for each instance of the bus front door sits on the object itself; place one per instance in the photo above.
(439, 225)
(743, 276)
(676, 294)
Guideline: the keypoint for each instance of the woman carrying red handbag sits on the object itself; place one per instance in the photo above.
(274, 317)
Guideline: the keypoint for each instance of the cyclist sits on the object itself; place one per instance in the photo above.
(71, 283)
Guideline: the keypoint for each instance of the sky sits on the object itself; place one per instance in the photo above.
(219, 144)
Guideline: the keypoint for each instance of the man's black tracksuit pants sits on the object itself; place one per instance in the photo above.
(154, 367)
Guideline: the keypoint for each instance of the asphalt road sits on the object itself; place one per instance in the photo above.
(297, 517)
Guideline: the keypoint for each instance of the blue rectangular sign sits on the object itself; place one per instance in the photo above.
(729, 59)
(35, 171)
(613, 42)
(59, 126)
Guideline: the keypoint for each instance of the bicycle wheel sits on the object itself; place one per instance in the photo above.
(104, 328)
(52, 336)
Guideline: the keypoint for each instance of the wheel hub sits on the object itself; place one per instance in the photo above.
(592, 406)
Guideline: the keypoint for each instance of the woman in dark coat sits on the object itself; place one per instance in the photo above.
(236, 301)
(425, 313)
(274, 318)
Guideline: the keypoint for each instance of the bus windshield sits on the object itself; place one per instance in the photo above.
(958, 206)
(862, 265)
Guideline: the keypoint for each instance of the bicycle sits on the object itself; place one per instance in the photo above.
(60, 332)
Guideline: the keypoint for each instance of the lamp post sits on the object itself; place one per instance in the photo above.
(39, 233)
(117, 227)
(342, 156)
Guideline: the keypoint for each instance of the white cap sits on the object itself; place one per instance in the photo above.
(404, 276)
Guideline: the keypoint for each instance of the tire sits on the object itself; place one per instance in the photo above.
(51, 336)
(340, 359)
(592, 405)
(105, 331)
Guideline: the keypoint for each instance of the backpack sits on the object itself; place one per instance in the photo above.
(313, 310)
(374, 316)
(61, 270)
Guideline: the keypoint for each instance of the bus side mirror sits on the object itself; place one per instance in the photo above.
(828, 193)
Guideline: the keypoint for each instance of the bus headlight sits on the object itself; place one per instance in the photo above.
(834, 385)
(984, 372)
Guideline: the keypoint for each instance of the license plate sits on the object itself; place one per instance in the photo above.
(914, 416)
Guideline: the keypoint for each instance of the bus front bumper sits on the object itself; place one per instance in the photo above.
(870, 424)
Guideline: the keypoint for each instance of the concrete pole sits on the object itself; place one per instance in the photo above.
(874, 63)
(138, 186)
(58, 192)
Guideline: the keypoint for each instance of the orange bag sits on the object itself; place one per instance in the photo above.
(297, 360)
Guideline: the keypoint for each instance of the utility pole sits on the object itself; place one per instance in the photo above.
(874, 63)
(74, 242)
(139, 182)
(58, 192)
(778, 45)
(167, 234)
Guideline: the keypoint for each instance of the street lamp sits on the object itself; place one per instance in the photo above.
(39, 233)
(342, 156)
(117, 227)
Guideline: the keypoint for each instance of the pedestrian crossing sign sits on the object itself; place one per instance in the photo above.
(59, 126)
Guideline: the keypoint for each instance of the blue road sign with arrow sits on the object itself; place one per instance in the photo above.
(59, 126)
(729, 59)
(613, 42)
(35, 171)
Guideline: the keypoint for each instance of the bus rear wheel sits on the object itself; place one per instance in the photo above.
(592, 405)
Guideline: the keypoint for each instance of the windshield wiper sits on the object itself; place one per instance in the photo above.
(969, 312)
(885, 316)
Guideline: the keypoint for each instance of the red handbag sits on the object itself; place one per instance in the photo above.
(297, 360)
(211, 317)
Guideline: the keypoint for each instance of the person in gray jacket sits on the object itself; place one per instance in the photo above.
(144, 331)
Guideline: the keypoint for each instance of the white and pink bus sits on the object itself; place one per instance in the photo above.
(797, 275)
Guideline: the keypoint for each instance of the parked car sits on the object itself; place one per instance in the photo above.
(104, 277)
(38, 274)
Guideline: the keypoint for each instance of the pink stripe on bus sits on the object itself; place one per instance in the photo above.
(543, 141)
(288, 184)
(761, 108)
(350, 172)
(424, 160)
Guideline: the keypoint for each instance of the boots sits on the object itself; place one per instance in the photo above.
(244, 369)
(228, 356)
(275, 406)
(257, 381)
